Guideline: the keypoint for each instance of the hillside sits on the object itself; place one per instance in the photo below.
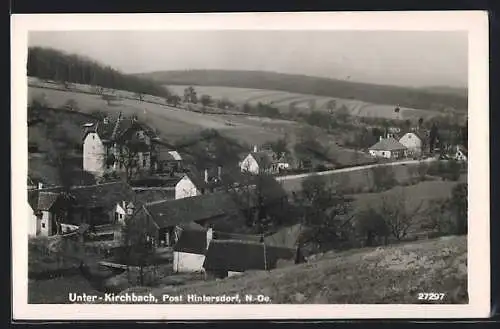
(51, 64)
(379, 94)
(392, 274)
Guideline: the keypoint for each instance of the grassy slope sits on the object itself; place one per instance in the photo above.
(379, 94)
(395, 274)
(283, 100)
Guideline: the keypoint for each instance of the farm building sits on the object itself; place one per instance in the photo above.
(94, 205)
(107, 145)
(165, 159)
(461, 153)
(388, 148)
(162, 219)
(258, 162)
(189, 251)
(413, 141)
(231, 257)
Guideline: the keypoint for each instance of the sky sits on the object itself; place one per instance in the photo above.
(405, 58)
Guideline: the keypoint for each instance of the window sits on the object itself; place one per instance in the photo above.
(43, 225)
(144, 162)
(93, 136)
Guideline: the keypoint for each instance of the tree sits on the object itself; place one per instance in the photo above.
(128, 157)
(371, 224)
(433, 137)
(407, 124)
(331, 106)
(173, 100)
(279, 146)
(325, 211)
(137, 246)
(420, 123)
(190, 95)
(206, 100)
(398, 218)
(343, 113)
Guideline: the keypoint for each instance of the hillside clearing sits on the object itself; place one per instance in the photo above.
(392, 274)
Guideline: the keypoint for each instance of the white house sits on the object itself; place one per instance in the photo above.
(189, 251)
(43, 213)
(388, 148)
(413, 143)
(461, 153)
(103, 145)
(189, 186)
(259, 162)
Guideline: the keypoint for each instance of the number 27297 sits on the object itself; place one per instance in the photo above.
(430, 296)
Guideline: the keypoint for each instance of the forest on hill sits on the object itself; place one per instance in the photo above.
(418, 98)
(51, 64)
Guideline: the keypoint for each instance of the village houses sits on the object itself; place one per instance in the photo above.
(460, 153)
(55, 210)
(388, 148)
(263, 161)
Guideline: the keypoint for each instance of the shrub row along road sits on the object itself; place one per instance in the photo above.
(350, 169)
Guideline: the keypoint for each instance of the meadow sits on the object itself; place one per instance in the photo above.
(285, 100)
(392, 274)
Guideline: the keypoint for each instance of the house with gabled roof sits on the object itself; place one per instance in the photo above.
(388, 148)
(414, 142)
(162, 219)
(258, 162)
(93, 205)
(189, 251)
(104, 143)
(232, 257)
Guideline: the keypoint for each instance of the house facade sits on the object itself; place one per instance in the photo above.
(189, 251)
(113, 146)
(187, 187)
(53, 208)
(258, 162)
(388, 148)
(413, 143)
(163, 220)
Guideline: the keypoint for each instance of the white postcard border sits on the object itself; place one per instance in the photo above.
(474, 22)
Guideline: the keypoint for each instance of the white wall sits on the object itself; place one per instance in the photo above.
(381, 154)
(185, 188)
(94, 154)
(185, 262)
(46, 224)
(249, 164)
(412, 142)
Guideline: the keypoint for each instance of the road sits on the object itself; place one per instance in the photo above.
(289, 178)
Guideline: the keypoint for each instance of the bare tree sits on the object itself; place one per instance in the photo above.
(127, 156)
(398, 218)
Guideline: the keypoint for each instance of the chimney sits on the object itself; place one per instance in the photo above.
(255, 148)
(219, 172)
(210, 235)
(380, 138)
(206, 175)
(40, 185)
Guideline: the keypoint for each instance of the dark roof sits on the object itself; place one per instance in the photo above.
(264, 160)
(240, 256)
(112, 130)
(235, 236)
(388, 144)
(197, 208)
(286, 237)
(192, 240)
(105, 195)
(46, 200)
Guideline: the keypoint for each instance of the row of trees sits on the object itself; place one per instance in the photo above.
(51, 64)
